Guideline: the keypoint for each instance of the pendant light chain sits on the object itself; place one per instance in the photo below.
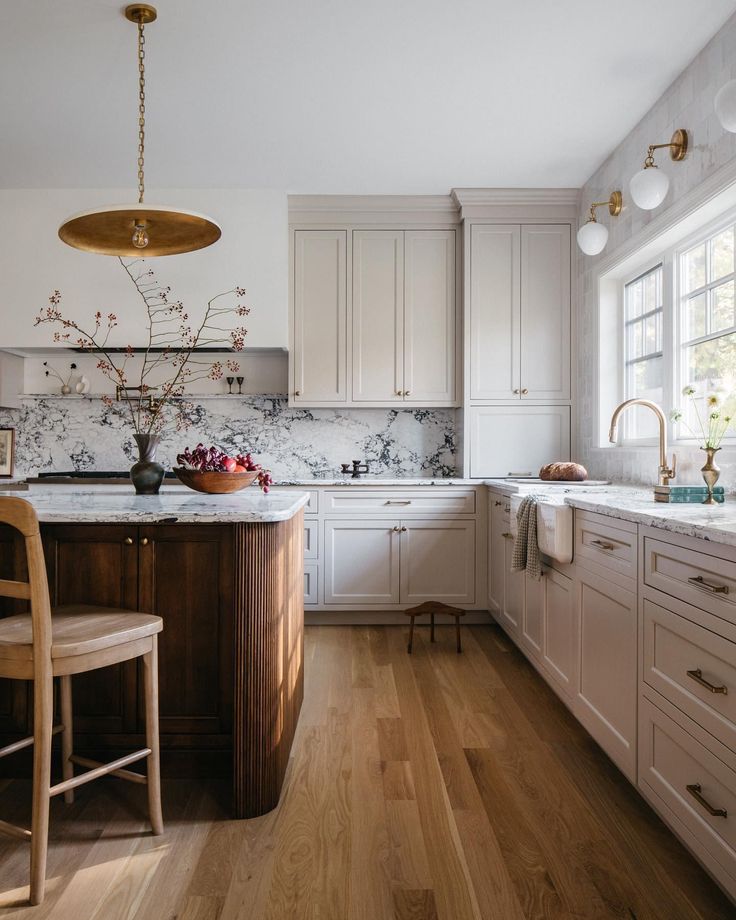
(141, 109)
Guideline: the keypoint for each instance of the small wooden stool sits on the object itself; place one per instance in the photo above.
(433, 607)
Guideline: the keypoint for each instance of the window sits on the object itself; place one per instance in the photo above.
(707, 320)
(643, 348)
(677, 329)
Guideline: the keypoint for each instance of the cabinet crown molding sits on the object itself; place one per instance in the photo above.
(384, 210)
(524, 203)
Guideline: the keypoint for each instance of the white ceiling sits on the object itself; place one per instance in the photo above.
(336, 96)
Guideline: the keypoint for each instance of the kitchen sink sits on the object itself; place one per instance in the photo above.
(554, 527)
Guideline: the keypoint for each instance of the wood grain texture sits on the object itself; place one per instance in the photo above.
(269, 659)
(503, 809)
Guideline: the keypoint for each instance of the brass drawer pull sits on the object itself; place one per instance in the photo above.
(697, 676)
(144, 541)
(603, 545)
(507, 536)
(404, 502)
(128, 541)
(697, 581)
(695, 792)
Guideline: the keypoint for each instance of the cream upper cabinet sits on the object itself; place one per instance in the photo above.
(319, 345)
(545, 312)
(374, 317)
(429, 316)
(516, 440)
(495, 311)
(378, 315)
(519, 313)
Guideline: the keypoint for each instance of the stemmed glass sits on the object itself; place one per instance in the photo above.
(230, 382)
(241, 381)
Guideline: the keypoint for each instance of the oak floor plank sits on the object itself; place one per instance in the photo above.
(434, 786)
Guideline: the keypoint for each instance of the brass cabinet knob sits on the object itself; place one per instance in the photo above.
(297, 392)
(396, 529)
(144, 541)
(403, 529)
(407, 392)
(128, 541)
(524, 391)
(517, 391)
(399, 392)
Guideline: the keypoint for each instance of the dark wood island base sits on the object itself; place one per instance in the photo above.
(231, 661)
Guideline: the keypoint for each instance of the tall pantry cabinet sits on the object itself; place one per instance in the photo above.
(518, 328)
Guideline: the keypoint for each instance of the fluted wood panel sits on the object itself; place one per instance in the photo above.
(269, 659)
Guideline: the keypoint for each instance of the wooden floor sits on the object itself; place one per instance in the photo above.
(432, 786)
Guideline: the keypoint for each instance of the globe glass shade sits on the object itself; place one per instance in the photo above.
(725, 106)
(649, 188)
(592, 238)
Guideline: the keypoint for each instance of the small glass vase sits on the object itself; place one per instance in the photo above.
(147, 475)
(711, 471)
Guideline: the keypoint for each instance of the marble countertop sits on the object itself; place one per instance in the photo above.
(377, 481)
(115, 506)
(707, 522)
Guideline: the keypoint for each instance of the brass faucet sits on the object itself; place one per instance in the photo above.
(665, 471)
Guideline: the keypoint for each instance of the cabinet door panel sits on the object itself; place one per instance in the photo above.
(513, 591)
(606, 696)
(498, 517)
(91, 564)
(429, 316)
(186, 578)
(438, 562)
(517, 440)
(320, 316)
(545, 311)
(361, 562)
(559, 635)
(495, 312)
(378, 315)
(532, 620)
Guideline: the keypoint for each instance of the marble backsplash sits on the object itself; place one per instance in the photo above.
(84, 434)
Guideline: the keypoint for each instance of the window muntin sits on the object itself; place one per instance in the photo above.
(707, 309)
(643, 348)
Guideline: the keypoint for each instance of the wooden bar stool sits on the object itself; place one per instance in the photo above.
(41, 646)
(433, 607)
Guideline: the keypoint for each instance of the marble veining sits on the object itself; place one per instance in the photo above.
(119, 506)
(294, 443)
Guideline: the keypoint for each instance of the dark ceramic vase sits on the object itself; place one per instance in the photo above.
(147, 475)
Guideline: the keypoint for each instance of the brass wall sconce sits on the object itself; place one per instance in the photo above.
(650, 185)
(592, 236)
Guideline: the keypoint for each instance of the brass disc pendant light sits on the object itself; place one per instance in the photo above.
(139, 229)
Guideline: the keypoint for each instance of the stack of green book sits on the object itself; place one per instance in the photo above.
(692, 494)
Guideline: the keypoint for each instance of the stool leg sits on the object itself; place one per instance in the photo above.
(67, 735)
(431, 627)
(150, 690)
(457, 633)
(411, 635)
(43, 715)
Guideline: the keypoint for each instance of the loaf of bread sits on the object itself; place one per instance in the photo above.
(563, 472)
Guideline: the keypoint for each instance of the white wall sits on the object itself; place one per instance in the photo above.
(688, 103)
(252, 253)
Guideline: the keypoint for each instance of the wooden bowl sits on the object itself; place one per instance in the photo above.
(215, 483)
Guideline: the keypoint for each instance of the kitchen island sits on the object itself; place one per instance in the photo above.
(225, 572)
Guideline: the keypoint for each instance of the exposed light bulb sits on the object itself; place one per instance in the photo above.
(140, 237)
(592, 237)
(649, 187)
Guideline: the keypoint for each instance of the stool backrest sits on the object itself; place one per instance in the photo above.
(19, 514)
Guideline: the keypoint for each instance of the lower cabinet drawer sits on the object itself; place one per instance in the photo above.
(695, 785)
(311, 584)
(693, 668)
(425, 500)
(610, 544)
